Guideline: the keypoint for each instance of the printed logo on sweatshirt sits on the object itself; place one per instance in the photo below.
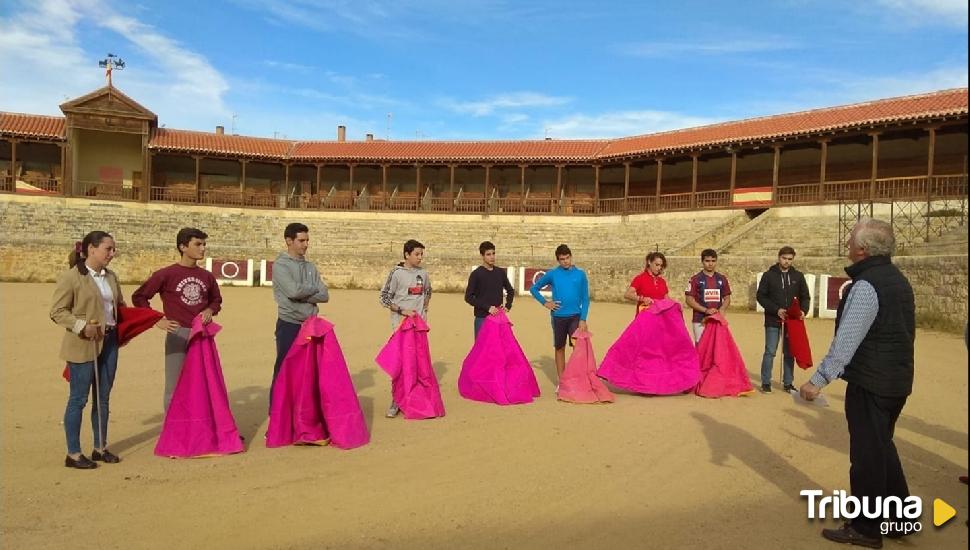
(417, 288)
(191, 291)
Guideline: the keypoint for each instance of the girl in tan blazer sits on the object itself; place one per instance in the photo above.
(86, 304)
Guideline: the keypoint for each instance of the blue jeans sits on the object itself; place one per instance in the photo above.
(479, 321)
(772, 334)
(82, 381)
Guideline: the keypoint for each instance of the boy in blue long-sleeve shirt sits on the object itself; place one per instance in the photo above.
(569, 304)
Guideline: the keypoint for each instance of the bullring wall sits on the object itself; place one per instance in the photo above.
(356, 249)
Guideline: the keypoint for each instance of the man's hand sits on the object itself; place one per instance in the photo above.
(492, 310)
(551, 305)
(710, 311)
(646, 300)
(783, 314)
(167, 325)
(582, 326)
(408, 312)
(206, 316)
(809, 391)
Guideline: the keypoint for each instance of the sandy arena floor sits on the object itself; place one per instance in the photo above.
(644, 472)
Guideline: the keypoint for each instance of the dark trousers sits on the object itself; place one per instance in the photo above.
(875, 470)
(285, 335)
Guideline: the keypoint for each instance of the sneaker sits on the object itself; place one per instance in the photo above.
(766, 388)
(848, 535)
(392, 410)
(790, 388)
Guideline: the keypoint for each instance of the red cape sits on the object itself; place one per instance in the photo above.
(797, 336)
(132, 321)
(579, 383)
(723, 373)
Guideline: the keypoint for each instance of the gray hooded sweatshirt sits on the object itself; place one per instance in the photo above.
(407, 288)
(297, 288)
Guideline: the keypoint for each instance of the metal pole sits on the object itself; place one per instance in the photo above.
(97, 394)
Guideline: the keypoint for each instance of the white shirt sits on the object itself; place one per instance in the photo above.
(107, 296)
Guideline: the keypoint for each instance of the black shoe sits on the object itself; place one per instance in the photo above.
(790, 388)
(107, 457)
(766, 388)
(848, 535)
(82, 463)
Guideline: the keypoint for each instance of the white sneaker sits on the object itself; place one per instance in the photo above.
(393, 410)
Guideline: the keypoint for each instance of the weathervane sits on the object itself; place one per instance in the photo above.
(109, 64)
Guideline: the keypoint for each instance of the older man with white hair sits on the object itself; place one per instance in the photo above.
(875, 329)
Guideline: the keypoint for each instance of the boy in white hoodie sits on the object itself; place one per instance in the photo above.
(407, 292)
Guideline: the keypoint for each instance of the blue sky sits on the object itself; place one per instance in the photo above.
(477, 70)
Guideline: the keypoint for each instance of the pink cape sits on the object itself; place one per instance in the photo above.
(407, 359)
(314, 398)
(496, 370)
(579, 383)
(797, 335)
(198, 421)
(654, 355)
(722, 367)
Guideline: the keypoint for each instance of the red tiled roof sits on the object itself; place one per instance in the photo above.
(187, 141)
(38, 126)
(908, 108)
(431, 151)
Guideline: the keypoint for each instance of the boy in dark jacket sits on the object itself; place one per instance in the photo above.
(778, 287)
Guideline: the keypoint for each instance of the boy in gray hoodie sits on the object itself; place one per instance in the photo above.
(407, 292)
(297, 289)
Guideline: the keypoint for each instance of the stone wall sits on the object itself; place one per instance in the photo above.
(37, 236)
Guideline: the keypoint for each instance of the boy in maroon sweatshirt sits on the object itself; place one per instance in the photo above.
(187, 290)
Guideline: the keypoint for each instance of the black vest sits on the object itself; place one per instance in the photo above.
(883, 364)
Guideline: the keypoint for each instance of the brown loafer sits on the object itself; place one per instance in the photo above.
(82, 463)
(107, 457)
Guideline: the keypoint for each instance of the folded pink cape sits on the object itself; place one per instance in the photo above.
(407, 359)
(722, 367)
(314, 398)
(198, 421)
(797, 335)
(496, 370)
(579, 383)
(654, 355)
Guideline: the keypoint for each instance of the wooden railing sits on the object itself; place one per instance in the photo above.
(881, 190)
(109, 191)
(612, 206)
(642, 205)
(797, 194)
(834, 191)
(7, 184)
(675, 201)
(712, 199)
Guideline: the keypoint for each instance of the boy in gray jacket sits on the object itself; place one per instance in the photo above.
(297, 289)
(407, 292)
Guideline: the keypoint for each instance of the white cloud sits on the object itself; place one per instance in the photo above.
(618, 124)
(946, 12)
(513, 100)
(40, 43)
(699, 47)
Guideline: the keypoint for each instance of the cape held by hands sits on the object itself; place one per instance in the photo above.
(496, 369)
(198, 421)
(655, 354)
(314, 400)
(579, 383)
(406, 358)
